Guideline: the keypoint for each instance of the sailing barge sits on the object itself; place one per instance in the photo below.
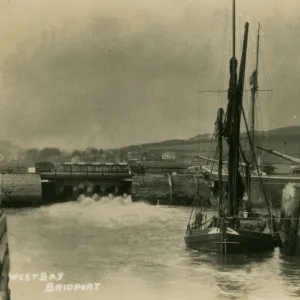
(233, 230)
(274, 183)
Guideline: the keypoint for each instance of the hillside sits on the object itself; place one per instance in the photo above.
(280, 134)
(286, 139)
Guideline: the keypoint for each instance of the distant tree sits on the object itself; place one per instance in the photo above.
(101, 154)
(91, 153)
(76, 153)
(65, 153)
(32, 155)
(47, 153)
(57, 159)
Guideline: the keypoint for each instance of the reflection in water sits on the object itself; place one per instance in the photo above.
(290, 273)
(236, 276)
(136, 251)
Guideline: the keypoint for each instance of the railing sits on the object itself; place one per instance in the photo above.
(102, 172)
(87, 172)
(14, 171)
(158, 169)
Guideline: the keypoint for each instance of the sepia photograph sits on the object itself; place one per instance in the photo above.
(149, 150)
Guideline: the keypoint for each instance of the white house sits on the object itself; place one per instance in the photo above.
(168, 155)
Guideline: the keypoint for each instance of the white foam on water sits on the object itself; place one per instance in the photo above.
(106, 211)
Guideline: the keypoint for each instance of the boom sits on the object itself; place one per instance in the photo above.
(282, 155)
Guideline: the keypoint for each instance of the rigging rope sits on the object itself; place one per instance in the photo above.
(222, 65)
(224, 50)
(255, 161)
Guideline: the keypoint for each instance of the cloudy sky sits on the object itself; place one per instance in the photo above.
(107, 73)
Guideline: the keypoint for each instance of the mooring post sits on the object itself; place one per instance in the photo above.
(289, 223)
(170, 179)
(4, 259)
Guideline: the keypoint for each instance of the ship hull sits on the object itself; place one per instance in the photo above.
(237, 241)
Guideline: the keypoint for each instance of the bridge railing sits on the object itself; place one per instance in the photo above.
(87, 172)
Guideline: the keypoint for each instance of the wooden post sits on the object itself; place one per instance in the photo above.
(170, 179)
(197, 185)
(4, 259)
(289, 222)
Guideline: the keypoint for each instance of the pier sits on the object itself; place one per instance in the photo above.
(168, 183)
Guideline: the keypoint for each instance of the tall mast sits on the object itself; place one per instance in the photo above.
(233, 32)
(257, 47)
(254, 83)
(232, 124)
(220, 146)
(237, 121)
(232, 157)
(236, 152)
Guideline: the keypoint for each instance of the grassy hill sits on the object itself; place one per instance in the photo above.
(286, 140)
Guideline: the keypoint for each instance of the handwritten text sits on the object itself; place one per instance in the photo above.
(36, 276)
(72, 287)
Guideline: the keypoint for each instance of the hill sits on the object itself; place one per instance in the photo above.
(285, 139)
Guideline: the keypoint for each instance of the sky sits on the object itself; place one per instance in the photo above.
(110, 73)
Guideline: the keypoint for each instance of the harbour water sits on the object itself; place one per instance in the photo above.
(115, 250)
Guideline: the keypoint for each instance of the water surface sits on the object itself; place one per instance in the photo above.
(136, 252)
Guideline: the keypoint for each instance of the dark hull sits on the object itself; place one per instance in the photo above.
(237, 241)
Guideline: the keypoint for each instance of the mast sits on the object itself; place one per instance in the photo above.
(254, 89)
(220, 146)
(234, 137)
(233, 30)
(232, 126)
(229, 127)
(237, 120)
